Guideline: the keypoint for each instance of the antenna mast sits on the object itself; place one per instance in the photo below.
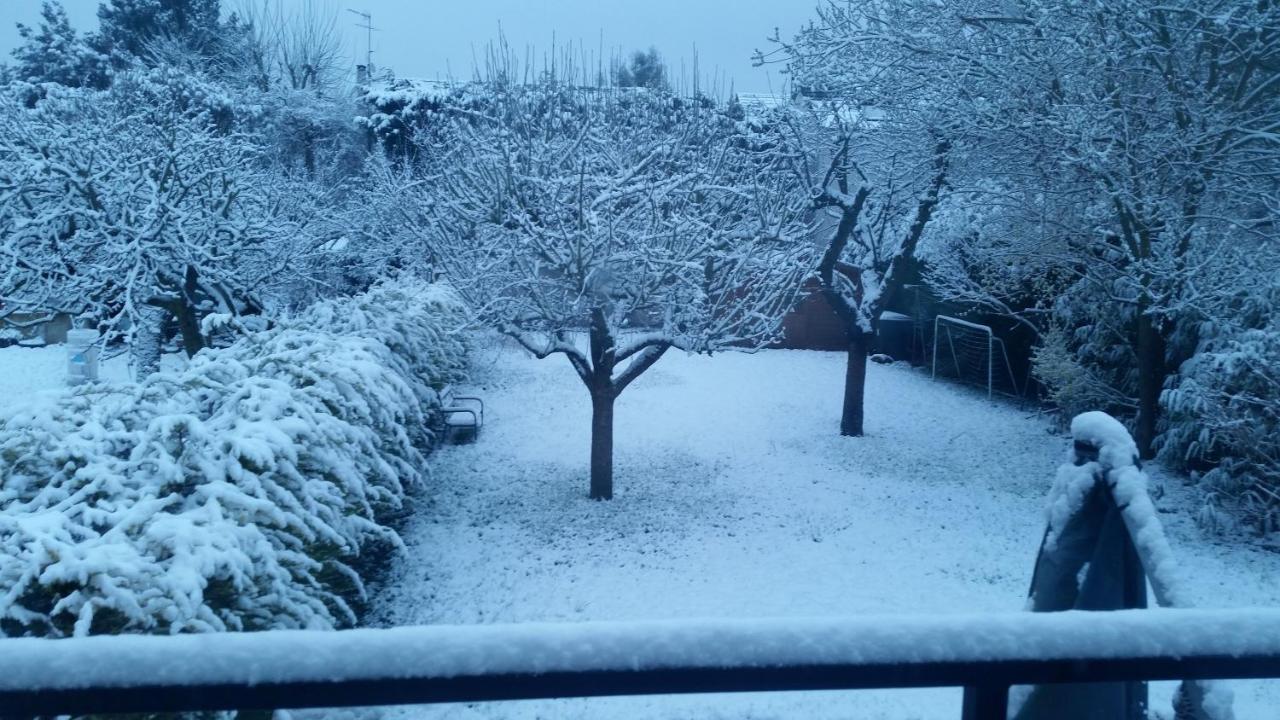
(368, 27)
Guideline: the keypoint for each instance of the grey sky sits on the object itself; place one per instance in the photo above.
(431, 38)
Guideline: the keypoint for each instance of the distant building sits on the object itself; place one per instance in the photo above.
(34, 329)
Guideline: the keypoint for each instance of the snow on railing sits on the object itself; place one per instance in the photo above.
(289, 669)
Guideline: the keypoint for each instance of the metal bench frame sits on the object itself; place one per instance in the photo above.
(452, 404)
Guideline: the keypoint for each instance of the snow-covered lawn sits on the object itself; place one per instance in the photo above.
(29, 373)
(736, 497)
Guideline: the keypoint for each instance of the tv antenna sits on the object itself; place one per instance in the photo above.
(367, 26)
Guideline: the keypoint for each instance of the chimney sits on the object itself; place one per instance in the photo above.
(362, 74)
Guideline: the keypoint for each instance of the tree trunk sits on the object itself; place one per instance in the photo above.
(602, 445)
(603, 394)
(1150, 353)
(309, 153)
(855, 383)
(188, 318)
(148, 340)
(189, 327)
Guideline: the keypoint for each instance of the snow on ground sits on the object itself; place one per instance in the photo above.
(30, 373)
(736, 497)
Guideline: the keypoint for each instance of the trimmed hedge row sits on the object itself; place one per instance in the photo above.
(236, 494)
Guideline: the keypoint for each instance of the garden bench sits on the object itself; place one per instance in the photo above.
(463, 416)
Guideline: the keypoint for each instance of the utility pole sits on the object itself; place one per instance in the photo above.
(367, 26)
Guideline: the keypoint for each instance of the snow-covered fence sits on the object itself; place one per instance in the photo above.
(239, 493)
(292, 669)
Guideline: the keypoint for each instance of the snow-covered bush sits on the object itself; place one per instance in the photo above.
(1223, 412)
(237, 494)
(1074, 380)
(428, 352)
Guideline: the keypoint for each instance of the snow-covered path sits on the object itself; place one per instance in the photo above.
(736, 497)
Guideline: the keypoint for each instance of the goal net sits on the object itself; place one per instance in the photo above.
(972, 354)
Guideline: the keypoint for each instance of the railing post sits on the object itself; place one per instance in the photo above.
(986, 702)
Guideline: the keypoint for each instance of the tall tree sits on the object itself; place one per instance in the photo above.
(609, 227)
(879, 145)
(127, 28)
(1148, 133)
(1187, 114)
(869, 253)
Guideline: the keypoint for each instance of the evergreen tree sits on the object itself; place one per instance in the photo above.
(54, 53)
(128, 27)
(646, 69)
(734, 110)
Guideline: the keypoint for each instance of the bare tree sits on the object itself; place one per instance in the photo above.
(610, 226)
(878, 200)
(879, 143)
(121, 203)
(297, 48)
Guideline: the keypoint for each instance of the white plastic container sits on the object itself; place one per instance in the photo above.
(82, 356)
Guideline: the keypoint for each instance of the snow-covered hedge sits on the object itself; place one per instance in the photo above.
(431, 353)
(235, 494)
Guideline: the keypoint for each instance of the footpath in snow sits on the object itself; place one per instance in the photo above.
(737, 498)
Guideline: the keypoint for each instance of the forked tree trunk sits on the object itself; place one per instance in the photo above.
(602, 444)
(1150, 353)
(181, 305)
(855, 384)
(188, 323)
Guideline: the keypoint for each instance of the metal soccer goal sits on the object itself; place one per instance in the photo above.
(972, 354)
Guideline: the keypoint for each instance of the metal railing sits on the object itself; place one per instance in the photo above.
(441, 664)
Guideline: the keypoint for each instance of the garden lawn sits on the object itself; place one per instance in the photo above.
(29, 374)
(735, 496)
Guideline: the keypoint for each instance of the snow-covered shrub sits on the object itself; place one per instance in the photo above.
(419, 330)
(418, 323)
(1073, 383)
(236, 494)
(1223, 413)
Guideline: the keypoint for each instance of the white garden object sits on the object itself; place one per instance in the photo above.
(971, 353)
(82, 356)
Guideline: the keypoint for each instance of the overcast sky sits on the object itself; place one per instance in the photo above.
(436, 38)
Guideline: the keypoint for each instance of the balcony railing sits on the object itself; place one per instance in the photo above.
(439, 664)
